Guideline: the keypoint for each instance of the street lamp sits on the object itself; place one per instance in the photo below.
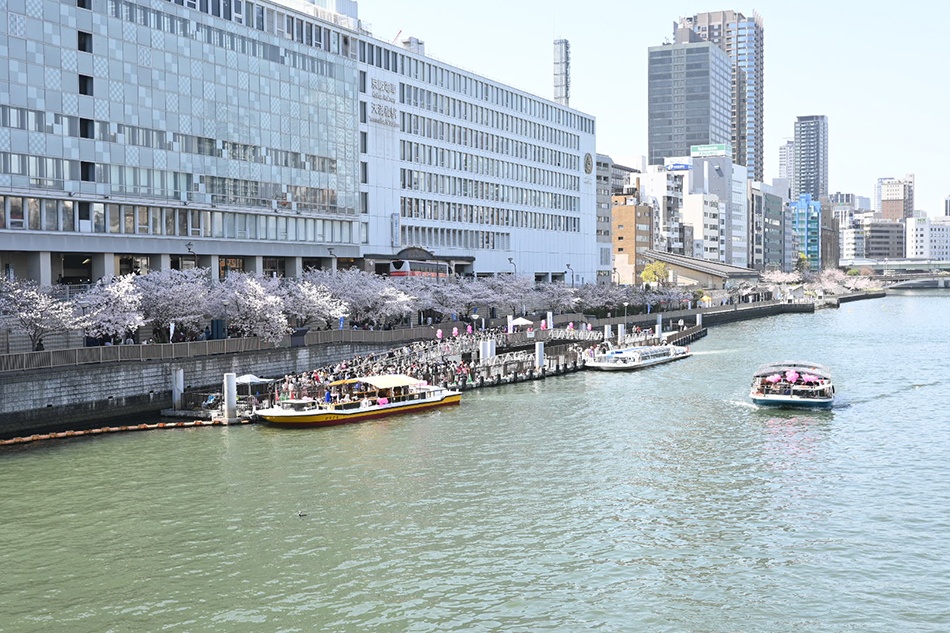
(511, 260)
(625, 304)
(615, 277)
(190, 246)
(225, 303)
(572, 274)
(333, 255)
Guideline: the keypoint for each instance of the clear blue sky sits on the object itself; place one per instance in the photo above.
(879, 72)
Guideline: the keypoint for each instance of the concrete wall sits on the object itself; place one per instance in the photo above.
(39, 400)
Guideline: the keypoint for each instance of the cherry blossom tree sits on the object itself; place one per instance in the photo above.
(111, 308)
(174, 296)
(26, 307)
(557, 296)
(371, 297)
(253, 305)
(310, 304)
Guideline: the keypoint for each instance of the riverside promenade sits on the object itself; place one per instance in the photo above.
(44, 392)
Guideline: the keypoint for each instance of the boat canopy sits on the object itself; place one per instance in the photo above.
(800, 366)
(391, 380)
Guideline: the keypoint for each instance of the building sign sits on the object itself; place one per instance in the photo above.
(381, 114)
(588, 163)
(678, 167)
(703, 151)
(384, 90)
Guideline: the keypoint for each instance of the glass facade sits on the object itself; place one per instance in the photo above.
(690, 99)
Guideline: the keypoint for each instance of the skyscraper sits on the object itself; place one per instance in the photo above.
(743, 39)
(690, 96)
(786, 160)
(811, 157)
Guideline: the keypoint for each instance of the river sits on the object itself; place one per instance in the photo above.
(655, 501)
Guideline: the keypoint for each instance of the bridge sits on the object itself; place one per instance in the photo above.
(918, 281)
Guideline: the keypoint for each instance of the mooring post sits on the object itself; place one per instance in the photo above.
(230, 397)
(539, 355)
(178, 388)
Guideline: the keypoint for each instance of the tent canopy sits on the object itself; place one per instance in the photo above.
(522, 321)
(251, 379)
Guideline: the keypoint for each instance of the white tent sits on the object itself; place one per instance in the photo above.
(521, 321)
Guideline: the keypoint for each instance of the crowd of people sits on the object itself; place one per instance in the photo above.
(439, 361)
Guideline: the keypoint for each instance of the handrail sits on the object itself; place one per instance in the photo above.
(26, 361)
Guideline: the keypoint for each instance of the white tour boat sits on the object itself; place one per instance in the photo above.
(793, 384)
(629, 358)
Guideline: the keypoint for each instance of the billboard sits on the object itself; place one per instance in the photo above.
(704, 151)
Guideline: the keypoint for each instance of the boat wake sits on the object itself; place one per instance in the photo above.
(742, 404)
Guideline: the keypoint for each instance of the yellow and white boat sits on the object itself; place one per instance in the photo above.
(358, 399)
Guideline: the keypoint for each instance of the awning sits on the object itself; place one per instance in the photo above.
(251, 379)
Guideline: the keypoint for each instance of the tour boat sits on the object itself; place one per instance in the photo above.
(636, 357)
(358, 399)
(793, 384)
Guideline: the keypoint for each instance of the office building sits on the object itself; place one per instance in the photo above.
(786, 161)
(743, 40)
(613, 179)
(883, 239)
(897, 197)
(632, 235)
(806, 227)
(661, 186)
(927, 238)
(770, 228)
(811, 157)
(270, 137)
(690, 97)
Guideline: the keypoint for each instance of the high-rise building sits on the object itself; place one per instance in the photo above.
(690, 98)
(811, 157)
(770, 227)
(806, 226)
(743, 39)
(270, 137)
(562, 72)
(897, 197)
(786, 160)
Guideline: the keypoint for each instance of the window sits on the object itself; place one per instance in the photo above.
(84, 4)
(362, 112)
(363, 142)
(364, 173)
(85, 41)
(87, 128)
(87, 171)
(364, 202)
(85, 85)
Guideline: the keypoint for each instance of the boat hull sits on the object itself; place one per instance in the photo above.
(338, 416)
(792, 402)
